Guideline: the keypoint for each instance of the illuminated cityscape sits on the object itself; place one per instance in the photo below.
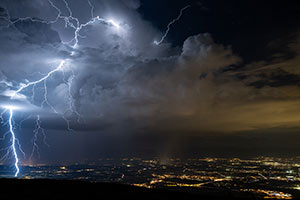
(262, 177)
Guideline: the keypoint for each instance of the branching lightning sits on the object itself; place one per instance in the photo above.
(70, 22)
(92, 8)
(13, 145)
(11, 149)
(73, 23)
(38, 131)
(23, 86)
(169, 26)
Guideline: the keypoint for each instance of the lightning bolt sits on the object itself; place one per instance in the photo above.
(37, 131)
(71, 22)
(23, 86)
(12, 148)
(169, 26)
(77, 28)
(13, 145)
(92, 8)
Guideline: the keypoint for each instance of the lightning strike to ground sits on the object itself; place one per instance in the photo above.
(169, 26)
(38, 131)
(71, 22)
(13, 145)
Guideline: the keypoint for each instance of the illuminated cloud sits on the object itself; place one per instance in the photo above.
(121, 75)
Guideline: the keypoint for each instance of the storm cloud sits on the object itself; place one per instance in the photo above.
(121, 76)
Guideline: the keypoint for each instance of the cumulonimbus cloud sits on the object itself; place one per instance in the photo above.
(121, 76)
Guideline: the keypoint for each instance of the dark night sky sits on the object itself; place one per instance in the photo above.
(224, 82)
(248, 26)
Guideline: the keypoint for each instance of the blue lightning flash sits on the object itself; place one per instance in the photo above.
(169, 26)
(70, 22)
(73, 23)
(13, 145)
(14, 142)
(37, 131)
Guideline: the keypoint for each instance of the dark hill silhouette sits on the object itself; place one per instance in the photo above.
(69, 189)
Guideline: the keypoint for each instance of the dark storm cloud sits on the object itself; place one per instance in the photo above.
(122, 77)
(158, 93)
(37, 32)
(170, 94)
(30, 49)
